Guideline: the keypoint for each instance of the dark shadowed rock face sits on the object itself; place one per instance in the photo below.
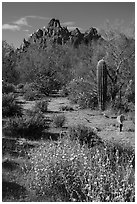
(56, 32)
(91, 34)
(60, 35)
(76, 37)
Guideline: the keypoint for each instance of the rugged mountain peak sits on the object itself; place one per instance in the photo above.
(56, 33)
(54, 23)
(91, 34)
(76, 37)
(75, 32)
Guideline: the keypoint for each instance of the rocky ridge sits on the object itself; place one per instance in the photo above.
(56, 33)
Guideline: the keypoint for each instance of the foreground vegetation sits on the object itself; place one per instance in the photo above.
(77, 165)
(66, 171)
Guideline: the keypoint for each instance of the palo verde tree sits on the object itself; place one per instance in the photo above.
(120, 59)
(9, 58)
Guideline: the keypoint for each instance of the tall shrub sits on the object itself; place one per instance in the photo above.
(9, 106)
(83, 92)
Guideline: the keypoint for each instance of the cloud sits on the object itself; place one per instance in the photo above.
(10, 27)
(26, 30)
(38, 17)
(21, 22)
(16, 25)
(69, 23)
(74, 27)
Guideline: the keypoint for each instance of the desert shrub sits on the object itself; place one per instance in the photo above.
(34, 111)
(9, 106)
(131, 130)
(130, 91)
(66, 108)
(128, 100)
(42, 105)
(123, 105)
(30, 92)
(66, 172)
(83, 93)
(125, 102)
(29, 126)
(7, 88)
(9, 60)
(84, 135)
(64, 91)
(49, 68)
(20, 86)
(59, 120)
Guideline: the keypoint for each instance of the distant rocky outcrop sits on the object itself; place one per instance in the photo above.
(76, 37)
(60, 35)
(91, 34)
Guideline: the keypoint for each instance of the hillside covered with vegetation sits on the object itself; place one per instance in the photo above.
(50, 64)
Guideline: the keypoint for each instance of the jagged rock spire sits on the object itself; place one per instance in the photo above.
(54, 23)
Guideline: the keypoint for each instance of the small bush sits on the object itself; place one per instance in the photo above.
(9, 106)
(66, 172)
(42, 105)
(64, 91)
(30, 92)
(29, 126)
(122, 104)
(131, 130)
(59, 120)
(83, 93)
(7, 88)
(66, 108)
(127, 102)
(31, 95)
(84, 135)
(20, 86)
(130, 91)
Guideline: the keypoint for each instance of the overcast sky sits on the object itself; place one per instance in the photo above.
(19, 19)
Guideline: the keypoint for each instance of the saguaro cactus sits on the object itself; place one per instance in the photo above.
(102, 84)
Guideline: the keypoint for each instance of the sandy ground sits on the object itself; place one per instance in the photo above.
(107, 128)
